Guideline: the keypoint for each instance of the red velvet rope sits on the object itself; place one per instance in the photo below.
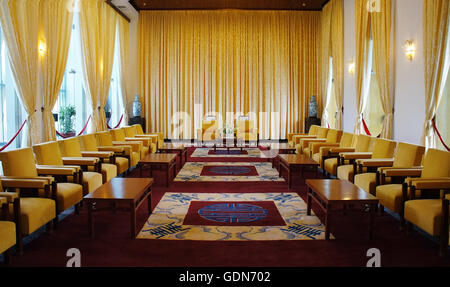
(439, 135)
(120, 121)
(366, 129)
(79, 134)
(14, 137)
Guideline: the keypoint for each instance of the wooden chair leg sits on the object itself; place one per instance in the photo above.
(444, 229)
(18, 221)
(7, 255)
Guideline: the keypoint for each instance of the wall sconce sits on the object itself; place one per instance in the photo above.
(42, 48)
(410, 50)
(351, 68)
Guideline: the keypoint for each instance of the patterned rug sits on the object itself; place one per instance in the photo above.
(174, 219)
(194, 172)
(223, 152)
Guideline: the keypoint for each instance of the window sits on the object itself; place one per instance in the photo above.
(12, 113)
(331, 106)
(114, 105)
(373, 110)
(72, 90)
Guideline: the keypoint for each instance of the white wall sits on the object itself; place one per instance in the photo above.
(409, 95)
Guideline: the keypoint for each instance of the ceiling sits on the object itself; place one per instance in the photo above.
(314, 5)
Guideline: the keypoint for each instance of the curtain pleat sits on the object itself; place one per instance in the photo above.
(98, 34)
(337, 50)
(20, 23)
(124, 43)
(436, 17)
(55, 32)
(260, 63)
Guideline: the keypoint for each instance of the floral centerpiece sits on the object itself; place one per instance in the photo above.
(228, 130)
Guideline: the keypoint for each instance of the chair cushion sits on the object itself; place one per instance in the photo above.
(345, 172)
(35, 212)
(408, 155)
(331, 165)
(390, 196)
(7, 235)
(19, 162)
(247, 136)
(68, 195)
(306, 151)
(121, 164)
(317, 158)
(383, 148)
(425, 213)
(91, 181)
(109, 171)
(144, 151)
(346, 140)
(367, 181)
(436, 164)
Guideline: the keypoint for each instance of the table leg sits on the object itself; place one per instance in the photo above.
(371, 217)
(151, 170)
(308, 202)
(168, 174)
(149, 201)
(289, 177)
(132, 219)
(90, 222)
(140, 170)
(327, 222)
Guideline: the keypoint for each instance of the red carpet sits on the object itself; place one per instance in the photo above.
(112, 246)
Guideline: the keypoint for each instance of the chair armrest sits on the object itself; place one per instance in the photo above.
(10, 196)
(305, 142)
(291, 135)
(115, 149)
(153, 138)
(57, 170)
(88, 161)
(25, 183)
(342, 149)
(376, 162)
(401, 172)
(430, 183)
(135, 146)
(99, 154)
(322, 148)
(355, 155)
(145, 141)
(297, 138)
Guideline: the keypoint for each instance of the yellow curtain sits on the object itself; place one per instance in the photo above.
(19, 20)
(325, 52)
(260, 63)
(381, 33)
(98, 33)
(54, 38)
(337, 50)
(436, 14)
(124, 42)
(362, 27)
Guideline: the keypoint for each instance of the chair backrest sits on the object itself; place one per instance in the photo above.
(48, 153)
(70, 147)
(245, 125)
(19, 162)
(334, 136)
(322, 133)
(436, 164)
(117, 134)
(346, 140)
(209, 126)
(130, 132)
(104, 138)
(139, 130)
(407, 155)
(362, 143)
(383, 148)
(313, 130)
(88, 142)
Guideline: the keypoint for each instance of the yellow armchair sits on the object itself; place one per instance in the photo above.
(140, 132)
(117, 154)
(118, 135)
(322, 151)
(130, 132)
(131, 150)
(71, 149)
(49, 153)
(209, 133)
(246, 132)
(312, 134)
(306, 144)
(7, 229)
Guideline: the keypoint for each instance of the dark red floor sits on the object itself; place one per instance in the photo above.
(112, 246)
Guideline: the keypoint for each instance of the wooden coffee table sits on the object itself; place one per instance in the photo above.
(159, 161)
(294, 162)
(179, 149)
(331, 193)
(274, 149)
(126, 194)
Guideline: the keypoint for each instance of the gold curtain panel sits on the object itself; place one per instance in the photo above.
(230, 62)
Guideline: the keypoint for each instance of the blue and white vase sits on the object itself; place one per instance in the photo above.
(137, 107)
(313, 107)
